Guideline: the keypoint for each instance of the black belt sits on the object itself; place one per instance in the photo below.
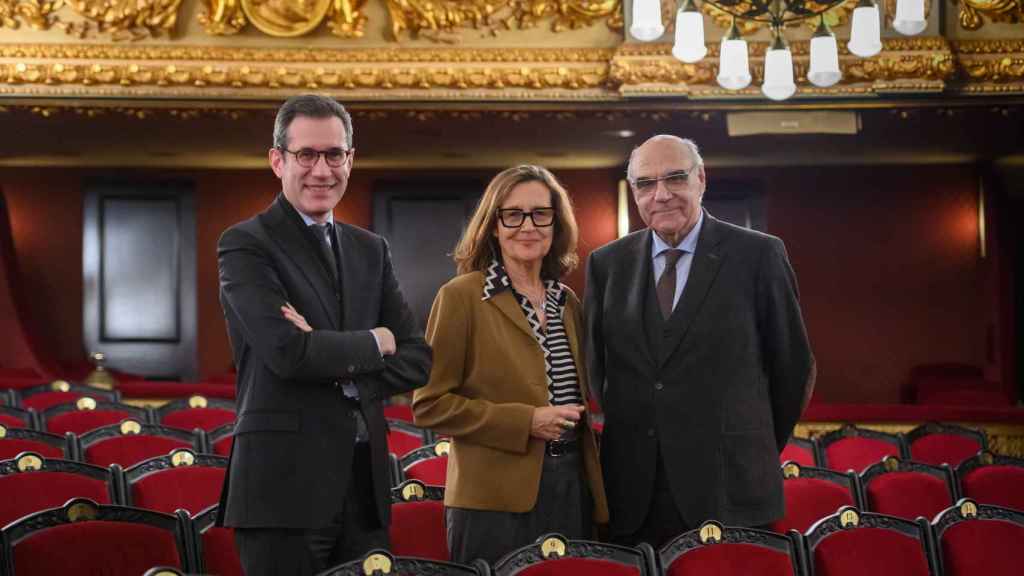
(556, 448)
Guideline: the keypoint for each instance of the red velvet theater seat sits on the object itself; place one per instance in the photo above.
(908, 489)
(993, 479)
(12, 417)
(977, 539)
(41, 397)
(813, 493)
(401, 412)
(87, 414)
(729, 551)
(553, 555)
(83, 537)
(383, 562)
(181, 479)
(428, 464)
(404, 438)
(32, 483)
(196, 412)
(14, 441)
(853, 448)
(852, 543)
(215, 546)
(935, 443)
(131, 442)
(800, 450)
(417, 521)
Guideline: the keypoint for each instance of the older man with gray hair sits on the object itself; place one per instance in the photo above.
(698, 355)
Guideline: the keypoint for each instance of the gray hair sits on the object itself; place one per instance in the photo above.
(312, 106)
(690, 145)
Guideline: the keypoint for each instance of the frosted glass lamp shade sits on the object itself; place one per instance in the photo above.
(733, 66)
(866, 34)
(824, 69)
(689, 46)
(909, 19)
(646, 24)
(778, 74)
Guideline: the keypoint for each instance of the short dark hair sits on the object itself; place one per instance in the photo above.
(313, 106)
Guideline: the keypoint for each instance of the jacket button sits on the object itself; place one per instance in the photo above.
(650, 432)
(658, 385)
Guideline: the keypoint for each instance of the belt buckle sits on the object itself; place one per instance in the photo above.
(556, 448)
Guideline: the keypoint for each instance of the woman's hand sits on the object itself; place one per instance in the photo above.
(293, 316)
(549, 422)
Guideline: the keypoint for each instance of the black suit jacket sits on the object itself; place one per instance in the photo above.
(292, 456)
(716, 389)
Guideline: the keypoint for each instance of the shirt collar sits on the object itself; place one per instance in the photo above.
(496, 281)
(309, 221)
(687, 244)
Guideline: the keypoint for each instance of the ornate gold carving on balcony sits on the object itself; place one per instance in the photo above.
(1005, 11)
(222, 17)
(442, 19)
(120, 19)
(285, 18)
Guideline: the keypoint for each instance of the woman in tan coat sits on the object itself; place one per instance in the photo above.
(507, 382)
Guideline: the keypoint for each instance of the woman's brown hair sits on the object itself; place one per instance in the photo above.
(478, 246)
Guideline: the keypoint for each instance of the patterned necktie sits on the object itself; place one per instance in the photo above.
(323, 232)
(666, 287)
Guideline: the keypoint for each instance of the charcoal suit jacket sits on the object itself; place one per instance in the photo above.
(714, 391)
(291, 461)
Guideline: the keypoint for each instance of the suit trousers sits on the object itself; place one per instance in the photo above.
(663, 521)
(302, 552)
(564, 505)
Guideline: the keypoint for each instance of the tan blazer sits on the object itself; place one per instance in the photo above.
(487, 377)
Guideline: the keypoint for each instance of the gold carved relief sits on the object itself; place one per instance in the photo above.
(285, 18)
(120, 19)
(1006, 11)
(440, 20)
(222, 17)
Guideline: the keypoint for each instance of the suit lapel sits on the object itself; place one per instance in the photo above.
(703, 270)
(289, 237)
(506, 302)
(637, 266)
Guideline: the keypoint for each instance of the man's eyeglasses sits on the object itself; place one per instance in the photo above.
(675, 181)
(514, 217)
(308, 157)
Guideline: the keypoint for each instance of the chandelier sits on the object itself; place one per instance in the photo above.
(733, 67)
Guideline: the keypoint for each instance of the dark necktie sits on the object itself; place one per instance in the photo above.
(323, 232)
(667, 283)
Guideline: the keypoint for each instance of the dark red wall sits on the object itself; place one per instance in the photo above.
(887, 258)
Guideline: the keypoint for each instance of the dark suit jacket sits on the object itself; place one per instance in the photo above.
(716, 389)
(294, 436)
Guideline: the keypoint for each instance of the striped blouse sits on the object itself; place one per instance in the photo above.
(563, 380)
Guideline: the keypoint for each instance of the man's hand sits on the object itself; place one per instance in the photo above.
(550, 421)
(386, 340)
(293, 316)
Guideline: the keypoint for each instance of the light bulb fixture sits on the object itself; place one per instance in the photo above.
(824, 68)
(646, 25)
(689, 46)
(733, 65)
(778, 69)
(909, 18)
(865, 32)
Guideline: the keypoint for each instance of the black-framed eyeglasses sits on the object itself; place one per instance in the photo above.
(675, 181)
(514, 217)
(308, 157)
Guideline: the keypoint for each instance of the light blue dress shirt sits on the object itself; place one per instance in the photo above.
(688, 245)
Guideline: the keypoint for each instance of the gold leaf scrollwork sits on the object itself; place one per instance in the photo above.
(125, 19)
(286, 18)
(346, 18)
(37, 14)
(971, 12)
(441, 20)
(222, 17)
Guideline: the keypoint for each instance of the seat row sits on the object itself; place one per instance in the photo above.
(963, 540)
(854, 448)
(80, 409)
